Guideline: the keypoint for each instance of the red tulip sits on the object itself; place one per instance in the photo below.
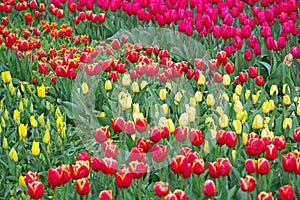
(181, 133)
(250, 166)
(113, 76)
(248, 184)
(263, 166)
(254, 146)
(110, 166)
(115, 44)
(198, 166)
(137, 154)
(199, 63)
(253, 72)
(118, 124)
(178, 164)
(196, 137)
(55, 177)
(102, 134)
(271, 152)
(223, 166)
(31, 176)
(229, 67)
(213, 64)
(180, 195)
(230, 138)
(106, 195)
(111, 151)
(286, 192)
(221, 137)
(279, 142)
(187, 171)
(213, 170)
(288, 162)
(155, 134)
(141, 125)
(138, 169)
(164, 132)
(243, 77)
(35, 189)
(209, 188)
(83, 186)
(159, 152)
(123, 178)
(260, 80)
(297, 134)
(84, 156)
(80, 170)
(143, 144)
(218, 77)
(96, 164)
(161, 189)
(221, 58)
(264, 196)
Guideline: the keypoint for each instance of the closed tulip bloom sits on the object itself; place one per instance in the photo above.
(163, 94)
(22, 131)
(161, 189)
(41, 91)
(298, 109)
(35, 189)
(238, 90)
(287, 123)
(286, 100)
(286, 89)
(265, 196)
(201, 80)
(126, 80)
(35, 150)
(6, 77)
(297, 134)
(257, 122)
(83, 186)
(286, 192)
(177, 98)
(108, 85)
(210, 100)
(263, 166)
(198, 96)
(123, 178)
(106, 195)
(33, 122)
(274, 90)
(248, 184)
(271, 152)
(84, 88)
(226, 80)
(135, 87)
(247, 94)
(224, 121)
(21, 181)
(191, 111)
(237, 124)
(209, 188)
(16, 116)
(13, 155)
(250, 166)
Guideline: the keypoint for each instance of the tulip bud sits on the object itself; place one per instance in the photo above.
(108, 85)
(257, 122)
(248, 184)
(198, 96)
(41, 91)
(13, 155)
(35, 150)
(210, 101)
(226, 80)
(250, 166)
(209, 188)
(274, 90)
(106, 195)
(135, 87)
(83, 186)
(22, 181)
(123, 178)
(286, 192)
(263, 166)
(4, 143)
(35, 189)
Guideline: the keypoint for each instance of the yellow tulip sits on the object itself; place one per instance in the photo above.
(226, 80)
(233, 154)
(209, 120)
(237, 124)
(255, 98)
(41, 120)
(57, 112)
(193, 101)
(47, 136)
(178, 97)
(266, 107)
(11, 89)
(22, 87)
(183, 119)
(31, 110)
(144, 84)
(191, 111)
(33, 122)
(247, 94)
(169, 85)
(267, 133)
(220, 110)
(3, 124)
(287, 122)
(41, 91)
(286, 89)
(223, 121)
(210, 100)
(244, 138)
(136, 108)
(0, 130)
(235, 97)
(298, 110)
(6, 77)
(198, 96)
(108, 85)
(238, 90)
(125, 100)
(238, 106)
(201, 80)
(286, 100)
(17, 116)
(165, 108)
(35, 150)
(23, 131)
(257, 122)
(84, 88)
(5, 115)
(163, 94)
(274, 90)
(13, 155)
(126, 80)
(4, 143)
(169, 123)
(102, 114)
(19, 94)
(135, 87)
(22, 181)
(206, 147)
(225, 96)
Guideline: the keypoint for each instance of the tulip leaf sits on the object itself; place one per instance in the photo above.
(267, 66)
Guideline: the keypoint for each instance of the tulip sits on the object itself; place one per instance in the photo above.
(180, 195)
(274, 90)
(137, 154)
(288, 162)
(155, 134)
(238, 90)
(209, 188)
(13, 155)
(35, 189)
(130, 128)
(138, 169)
(80, 169)
(35, 150)
(210, 100)
(178, 164)
(250, 166)
(286, 192)
(177, 98)
(287, 123)
(237, 124)
(298, 110)
(248, 184)
(135, 87)
(181, 133)
(257, 122)
(141, 125)
(111, 151)
(198, 96)
(83, 186)
(118, 124)
(247, 94)
(21, 181)
(170, 125)
(297, 134)
(201, 80)
(271, 152)
(163, 94)
(196, 137)
(41, 92)
(260, 80)
(161, 189)
(229, 68)
(102, 134)
(263, 166)
(106, 195)
(159, 153)
(55, 177)
(224, 121)
(110, 166)
(243, 77)
(226, 80)
(286, 100)
(126, 80)
(230, 138)
(143, 144)
(108, 85)
(264, 196)
(6, 77)
(279, 142)
(253, 72)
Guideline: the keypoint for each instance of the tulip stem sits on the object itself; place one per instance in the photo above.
(124, 194)
(139, 189)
